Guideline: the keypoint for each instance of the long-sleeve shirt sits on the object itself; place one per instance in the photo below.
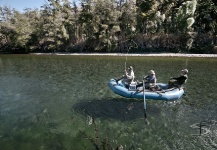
(130, 75)
(181, 79)
(151, 78)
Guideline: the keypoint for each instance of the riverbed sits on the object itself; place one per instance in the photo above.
(61, 101)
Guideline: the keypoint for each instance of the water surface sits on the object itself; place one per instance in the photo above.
(64, 102)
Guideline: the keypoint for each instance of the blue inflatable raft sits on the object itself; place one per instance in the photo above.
(133, 92)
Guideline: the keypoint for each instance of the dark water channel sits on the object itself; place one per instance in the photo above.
(63, 103)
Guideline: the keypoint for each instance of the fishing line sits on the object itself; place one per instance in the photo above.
(132, 44)
(186, 67)
(186, 63)
(126, 59)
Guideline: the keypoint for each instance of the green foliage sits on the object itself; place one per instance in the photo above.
(105, 25)
(206, 14)
(184, 16)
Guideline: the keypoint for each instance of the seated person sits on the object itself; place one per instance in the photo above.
(150, 80)
(129, 76)
(178, 81)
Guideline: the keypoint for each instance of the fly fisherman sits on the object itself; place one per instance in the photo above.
(128, 77)
(179, 81)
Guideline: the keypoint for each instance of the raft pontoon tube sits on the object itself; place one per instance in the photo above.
(133, 92)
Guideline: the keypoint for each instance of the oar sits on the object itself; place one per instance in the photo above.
(119, 79)
(145, 115)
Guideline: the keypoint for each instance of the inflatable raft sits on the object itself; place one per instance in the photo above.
(134, 92)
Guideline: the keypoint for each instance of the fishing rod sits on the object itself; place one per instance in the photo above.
(134, 45)
(145, 115)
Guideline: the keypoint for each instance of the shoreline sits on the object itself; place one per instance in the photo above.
(122, 54)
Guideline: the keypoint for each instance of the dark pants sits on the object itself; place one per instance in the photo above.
(174, 83)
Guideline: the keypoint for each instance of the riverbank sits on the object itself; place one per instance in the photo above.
(124, 54)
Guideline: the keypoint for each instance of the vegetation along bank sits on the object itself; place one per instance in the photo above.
(111, 26)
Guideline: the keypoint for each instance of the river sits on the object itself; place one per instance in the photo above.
(64, 103)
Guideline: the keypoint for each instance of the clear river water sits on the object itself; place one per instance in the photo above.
(52, 102)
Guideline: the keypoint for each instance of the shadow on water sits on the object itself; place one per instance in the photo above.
(118, 109)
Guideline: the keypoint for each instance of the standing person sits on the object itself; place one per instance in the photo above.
(179, 81)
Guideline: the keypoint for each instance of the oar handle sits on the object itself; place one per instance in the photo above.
(145, 115)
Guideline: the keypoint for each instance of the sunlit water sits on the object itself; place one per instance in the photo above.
(64, 103)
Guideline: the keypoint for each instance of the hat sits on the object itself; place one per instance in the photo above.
(185, 71)
(151, 72)
(130, 67)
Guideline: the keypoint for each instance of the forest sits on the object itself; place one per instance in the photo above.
(111, 26)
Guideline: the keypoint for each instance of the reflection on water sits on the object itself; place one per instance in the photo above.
(64, 102)
(118, 109)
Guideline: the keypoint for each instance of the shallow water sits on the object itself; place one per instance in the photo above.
(64, 102)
